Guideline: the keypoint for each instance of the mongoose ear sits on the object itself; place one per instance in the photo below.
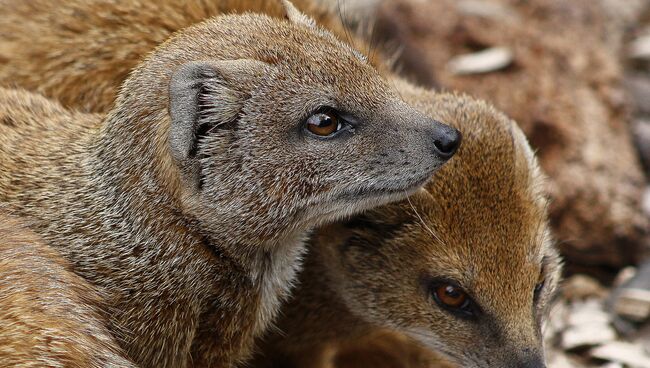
(296, 16)
(204, 95)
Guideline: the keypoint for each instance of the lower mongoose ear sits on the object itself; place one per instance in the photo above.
(296, 16)
(204, 95)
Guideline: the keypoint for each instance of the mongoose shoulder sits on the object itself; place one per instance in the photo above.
(79, 51)
(46, 311)
(188, 203)
(465, 267)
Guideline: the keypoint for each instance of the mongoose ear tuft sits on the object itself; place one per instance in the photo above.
(204, 96)
(296, 16)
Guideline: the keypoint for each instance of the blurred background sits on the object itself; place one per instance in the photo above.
(575, 75)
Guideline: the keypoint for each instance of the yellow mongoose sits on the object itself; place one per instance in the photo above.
(188, 203)
(466, 267)
(49, 317)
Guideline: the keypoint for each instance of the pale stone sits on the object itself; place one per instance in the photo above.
(587, 335)
(624, 353)
(633, 304)
(588, 312)
(484, 61)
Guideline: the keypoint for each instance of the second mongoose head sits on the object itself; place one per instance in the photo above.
(465, 266)
(281, 121)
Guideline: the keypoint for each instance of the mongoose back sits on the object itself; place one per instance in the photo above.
(465, 267)
(47, 314)
(57, 48)
(188, 203)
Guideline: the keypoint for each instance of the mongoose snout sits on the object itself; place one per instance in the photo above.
(388, 148)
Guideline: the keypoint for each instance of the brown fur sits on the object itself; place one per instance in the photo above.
(47, 313)
(482, 222)
(195, 251)
(564, 88)
(80, 51)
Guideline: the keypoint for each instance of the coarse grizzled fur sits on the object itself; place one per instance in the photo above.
(188, 203)
(50, 317)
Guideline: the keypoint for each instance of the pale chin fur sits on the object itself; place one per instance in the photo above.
(276, 275)
(342, 208)
(343, 205)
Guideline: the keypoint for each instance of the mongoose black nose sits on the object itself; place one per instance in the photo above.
(446, 140)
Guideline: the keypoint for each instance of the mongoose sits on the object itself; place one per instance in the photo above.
(57, 47)
(188, 203)
(380, 348)
(46, 311)
(465, 267)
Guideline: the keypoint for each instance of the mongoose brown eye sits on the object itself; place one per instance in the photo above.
(324, 123)
(451, 296)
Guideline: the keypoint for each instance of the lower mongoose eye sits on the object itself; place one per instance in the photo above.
(324, 123)
(450, 296)
(454, 300)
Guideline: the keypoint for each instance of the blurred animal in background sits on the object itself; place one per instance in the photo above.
(74, 42)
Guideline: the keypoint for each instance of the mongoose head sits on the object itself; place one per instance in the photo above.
(466, 266)
(259, 120)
